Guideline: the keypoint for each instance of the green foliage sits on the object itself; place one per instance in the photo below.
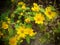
(28, 39)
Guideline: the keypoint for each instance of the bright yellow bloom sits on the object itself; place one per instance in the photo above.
(39, 18)
(35, 4)
(4, 25)
(49, 13)
(48, 8)
(35, 7)
(21, 31)
(30, 32)
(13, 41)
(23, 7)
(21, 3)
(17, 37)
(27, 20)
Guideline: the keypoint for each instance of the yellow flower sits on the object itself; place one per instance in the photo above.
(48, 8)
(23, 7)
(8, 21)
(13, 41)
(21, 13)
(27, 20)
(35, 4)
(21, 3)
(35, 7)
(21, 32)
(30, 32)
(4, 25)
(39, 18)
(49, 13)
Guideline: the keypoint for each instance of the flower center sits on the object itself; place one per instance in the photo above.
(49, 13)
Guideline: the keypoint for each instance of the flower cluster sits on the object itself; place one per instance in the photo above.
(19, 24)
(22, 32)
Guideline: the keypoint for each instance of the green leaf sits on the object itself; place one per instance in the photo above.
(42, 40)
(4, 32)
(52, 8)
(28, 25)
(32, 37)
(18, 10)
(17, 25)
(30, 13)
(11, 32)
(4, 15)
(31, 18)
(42, 10)
(28, 39)
(27, 8)
(6, 40)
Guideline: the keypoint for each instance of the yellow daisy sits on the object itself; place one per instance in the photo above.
(35, 7)
(35, 4)
(27, 20)
(49, 13)
(23, 7)
(21, 3)
(30, 32)
(21, 13)
(4, 25)
(13, 41)
(21, 32)
(39, 18)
